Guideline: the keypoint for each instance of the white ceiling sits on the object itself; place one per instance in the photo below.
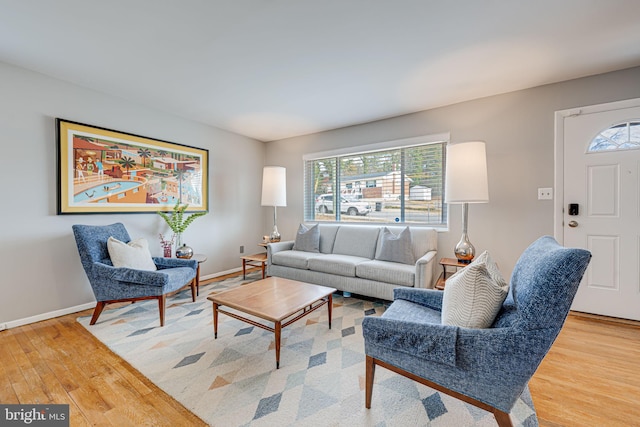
(271, 69)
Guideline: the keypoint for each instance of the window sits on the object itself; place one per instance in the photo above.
(396, 182)
(623, 136)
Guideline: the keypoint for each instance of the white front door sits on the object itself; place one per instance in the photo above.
(605, 184)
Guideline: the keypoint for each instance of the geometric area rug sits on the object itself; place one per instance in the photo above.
(232, 380)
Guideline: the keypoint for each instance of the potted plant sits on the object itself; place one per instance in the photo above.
(178, 223)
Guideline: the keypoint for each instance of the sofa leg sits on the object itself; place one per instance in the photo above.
(97, 311)
(370, 371)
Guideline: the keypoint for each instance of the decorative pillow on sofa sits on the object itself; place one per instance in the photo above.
(473, 295)
(396, 248)
(307, 239)
(134, 254)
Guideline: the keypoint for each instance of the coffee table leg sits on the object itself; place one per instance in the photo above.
(329, 308)
(278, 330)
(215, 320)
(244, 268)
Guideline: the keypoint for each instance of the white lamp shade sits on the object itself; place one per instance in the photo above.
(466, 175)
(274, 186)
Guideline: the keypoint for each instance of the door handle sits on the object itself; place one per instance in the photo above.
(573, 224)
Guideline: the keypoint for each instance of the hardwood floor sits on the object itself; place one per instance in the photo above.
(591, 377)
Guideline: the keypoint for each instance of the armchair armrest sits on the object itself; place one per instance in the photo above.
(431, 298)
(163, 263)
(129, 275)
(429, 341)
(425, 267)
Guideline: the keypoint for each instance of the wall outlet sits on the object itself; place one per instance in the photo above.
(545, 193)
(241, 249)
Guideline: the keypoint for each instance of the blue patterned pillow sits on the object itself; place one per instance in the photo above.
(307, 239)
(396, 248)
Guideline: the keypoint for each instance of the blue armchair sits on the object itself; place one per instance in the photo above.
(488, 368)
(112, 284)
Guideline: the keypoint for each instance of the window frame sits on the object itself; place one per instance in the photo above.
(405, 143)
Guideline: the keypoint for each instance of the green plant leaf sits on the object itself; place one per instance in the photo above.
(176, 220)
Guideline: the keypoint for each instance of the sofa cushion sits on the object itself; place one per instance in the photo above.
(327, 237)
(395, 248)
(307, 239)
(342, 265)
(389, 272)
(356, 241)
(474, 295)
(295, 259)
(423, 239)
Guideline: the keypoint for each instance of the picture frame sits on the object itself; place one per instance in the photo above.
(105, 171)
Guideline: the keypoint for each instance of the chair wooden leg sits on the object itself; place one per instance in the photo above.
(161, 304)
(370, 372)
(194, 290)
(503, 419)
(97, 311)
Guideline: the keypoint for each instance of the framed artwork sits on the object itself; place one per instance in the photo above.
(106, 171)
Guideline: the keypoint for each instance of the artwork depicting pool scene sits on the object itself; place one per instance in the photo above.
(105, 171)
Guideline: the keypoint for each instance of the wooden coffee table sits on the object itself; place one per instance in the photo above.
(273, 299)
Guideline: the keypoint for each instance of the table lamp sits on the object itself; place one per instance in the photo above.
(466, 182)
(274, 193)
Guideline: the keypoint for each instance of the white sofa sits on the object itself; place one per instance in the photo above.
(349, 259)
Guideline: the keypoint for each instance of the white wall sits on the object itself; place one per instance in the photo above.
(518, 128)
(39, 263)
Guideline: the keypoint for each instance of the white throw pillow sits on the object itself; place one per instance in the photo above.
(473, 295)
(134, 254)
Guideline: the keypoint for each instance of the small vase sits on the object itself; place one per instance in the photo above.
(167, 250)
(184, 251)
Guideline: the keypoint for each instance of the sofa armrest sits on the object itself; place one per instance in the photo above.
(425, 268)
(276, 247)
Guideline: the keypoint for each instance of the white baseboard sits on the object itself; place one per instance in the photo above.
(77, 308)
(47, 316)
(220, 273)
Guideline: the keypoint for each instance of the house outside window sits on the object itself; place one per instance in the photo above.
(395, 182)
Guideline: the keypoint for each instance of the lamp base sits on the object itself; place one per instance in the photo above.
(275, 235)
(464, 250)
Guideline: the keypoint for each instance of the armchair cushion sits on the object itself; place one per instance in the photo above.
(134, 254)
(474, 295)
(395, 248)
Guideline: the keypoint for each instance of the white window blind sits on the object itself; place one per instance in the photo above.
(401, 184)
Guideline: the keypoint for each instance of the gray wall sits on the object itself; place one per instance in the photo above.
(41, 272)
(518, 128)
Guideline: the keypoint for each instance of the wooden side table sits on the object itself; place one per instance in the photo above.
(255, 260)
(448, 262)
